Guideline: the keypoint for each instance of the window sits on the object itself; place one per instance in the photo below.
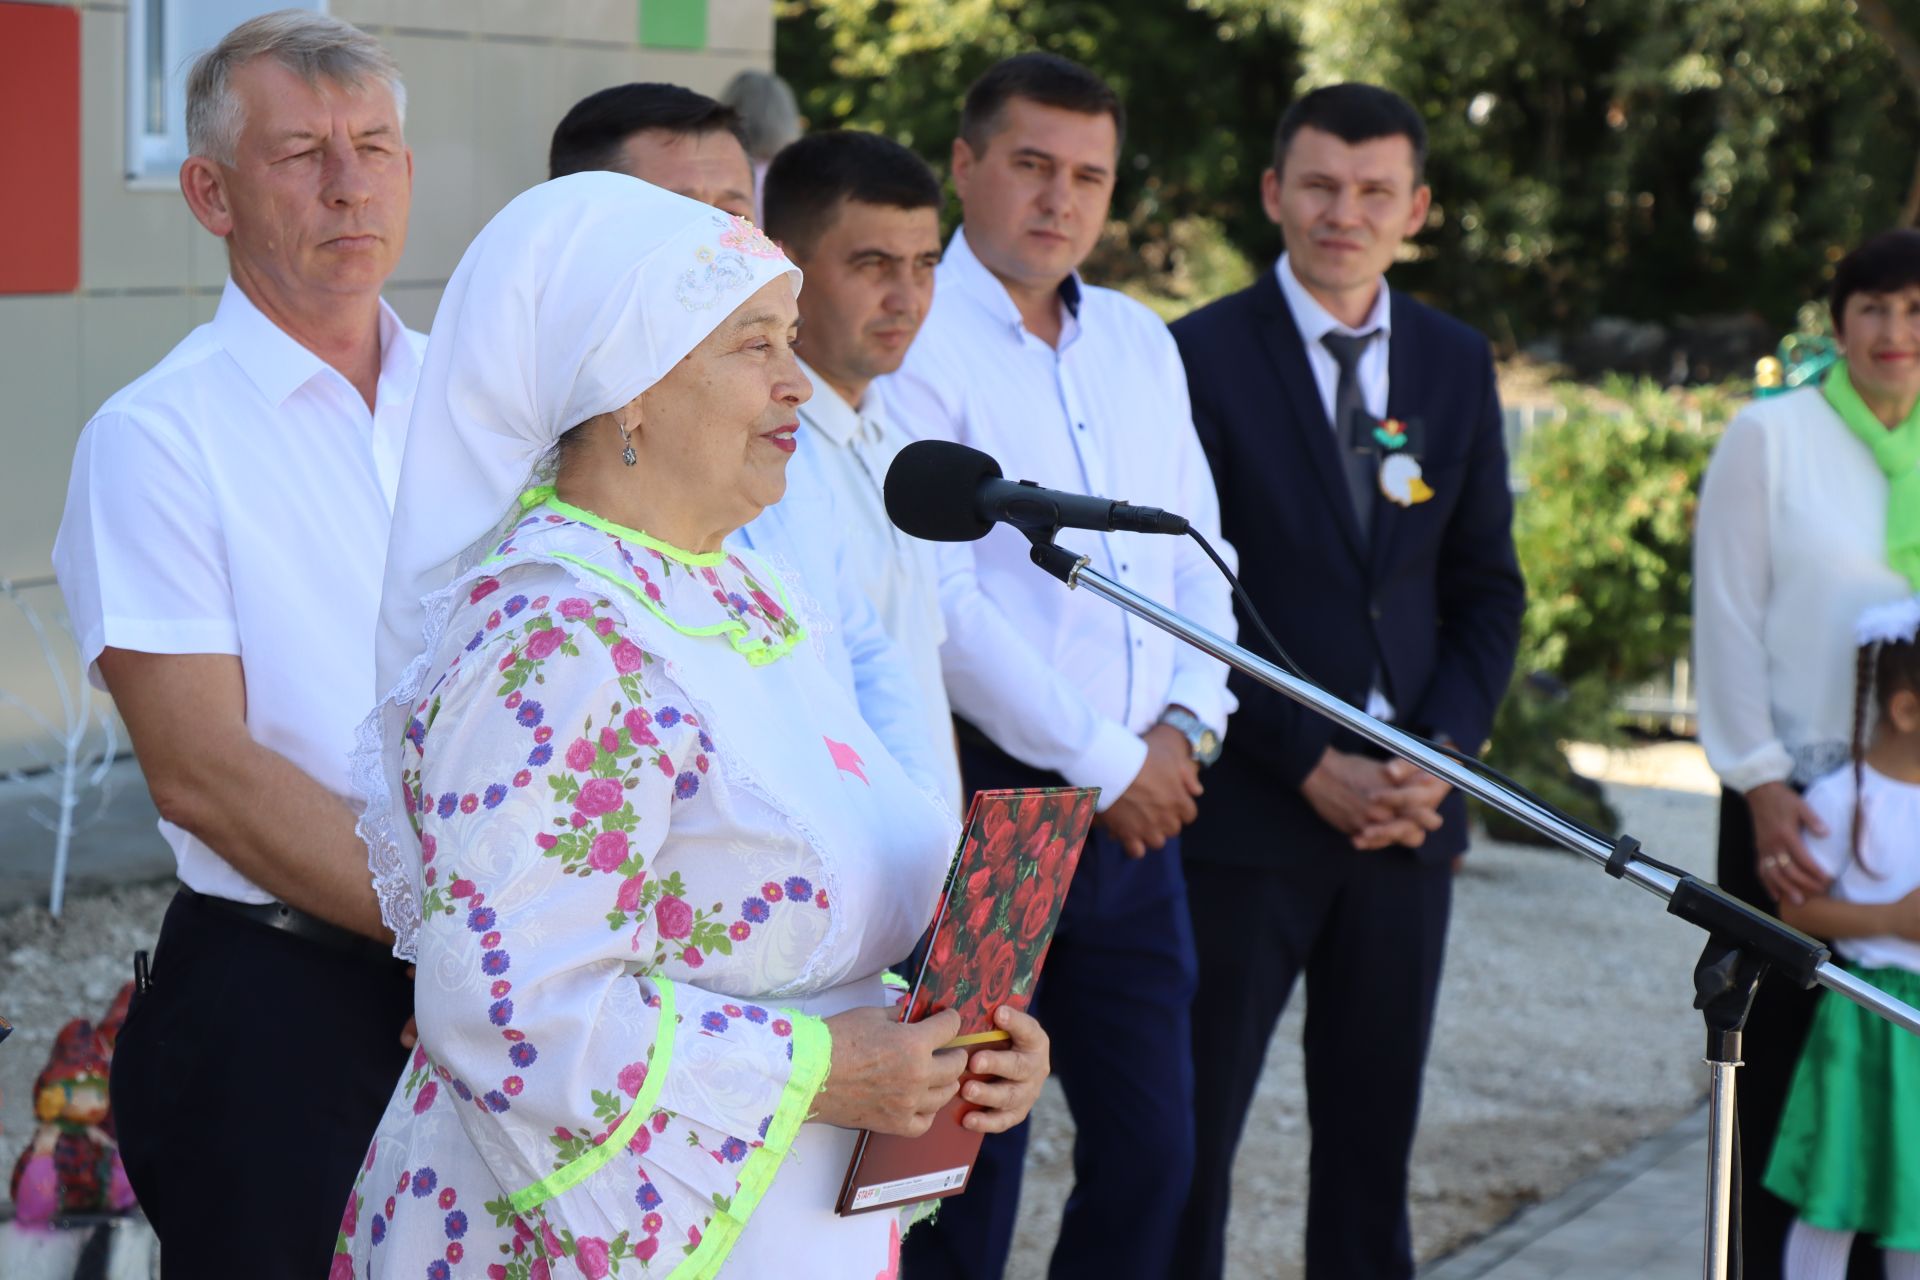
(163, 39)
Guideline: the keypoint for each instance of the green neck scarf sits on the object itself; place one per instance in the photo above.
(1898, 453)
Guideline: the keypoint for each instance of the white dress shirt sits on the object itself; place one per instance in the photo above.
(1316, 322)
(847, 450)
(800, 537)
(1790, 549)
(235, 499)
(1060, 679)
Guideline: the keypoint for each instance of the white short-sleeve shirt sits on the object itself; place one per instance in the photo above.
(1058, 679)
(1886, 868)
(235, 499)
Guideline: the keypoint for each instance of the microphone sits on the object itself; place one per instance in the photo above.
(946, 492)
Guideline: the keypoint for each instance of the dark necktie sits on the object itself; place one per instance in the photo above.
(1349, 404)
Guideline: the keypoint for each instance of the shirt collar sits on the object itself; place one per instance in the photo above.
(828, 412)
(973, 278)
(279, 366)
(1315, 321)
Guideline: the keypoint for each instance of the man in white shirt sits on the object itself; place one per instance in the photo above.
(1076, 388)
(221, 557)
(1355, 438)
(860, 215)
(692, 145)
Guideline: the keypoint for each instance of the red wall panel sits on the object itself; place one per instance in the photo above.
(39, 148)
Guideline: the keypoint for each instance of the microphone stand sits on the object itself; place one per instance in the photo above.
(1743, 944)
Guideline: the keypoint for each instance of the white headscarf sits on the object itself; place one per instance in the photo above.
(576, 297)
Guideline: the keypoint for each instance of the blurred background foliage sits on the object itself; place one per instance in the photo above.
(1644, 159)
(1666, 183)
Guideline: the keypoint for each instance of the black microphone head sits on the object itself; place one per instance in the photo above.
(932, 490)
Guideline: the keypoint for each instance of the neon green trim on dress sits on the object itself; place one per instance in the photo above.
(582, 1167)
(812, 1053)
(543, 495)
(736, 632)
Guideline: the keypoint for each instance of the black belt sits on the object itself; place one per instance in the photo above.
(278, 915)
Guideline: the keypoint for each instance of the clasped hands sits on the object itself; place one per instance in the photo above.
(1375, 803)
(893, 1077)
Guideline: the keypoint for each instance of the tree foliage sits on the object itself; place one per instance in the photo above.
(1642, 158)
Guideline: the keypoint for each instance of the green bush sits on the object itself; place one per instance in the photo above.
(1604, 529)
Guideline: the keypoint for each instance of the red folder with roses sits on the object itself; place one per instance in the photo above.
(985, 948)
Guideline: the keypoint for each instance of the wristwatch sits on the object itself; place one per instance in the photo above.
(1202, 741)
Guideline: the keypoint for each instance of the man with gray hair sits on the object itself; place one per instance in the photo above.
(221, 557)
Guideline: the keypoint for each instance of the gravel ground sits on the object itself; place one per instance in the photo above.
(1565, 1032)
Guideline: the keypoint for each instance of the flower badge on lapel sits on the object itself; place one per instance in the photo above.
(1400, 480)
(1392, 434)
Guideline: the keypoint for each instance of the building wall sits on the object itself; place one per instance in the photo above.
(486, 82)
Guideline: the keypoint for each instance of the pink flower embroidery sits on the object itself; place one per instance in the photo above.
(632, 1076)
(575, 608)
(608, 851)
(673, 917)
(425, 1100)
(580, 755)
(598, 796)
(609, 740)
(642, 1139)
(628, 899)
(542, 643)
(743, 237)
(692, 958)
(627, 657)
(482, 589)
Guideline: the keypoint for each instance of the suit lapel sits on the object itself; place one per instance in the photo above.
(1404, 382)
(1402, 402)
(1308, 418)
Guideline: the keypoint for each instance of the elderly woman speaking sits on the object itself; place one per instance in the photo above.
(650, 861)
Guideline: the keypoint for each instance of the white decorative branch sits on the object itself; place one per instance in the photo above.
(63, 774)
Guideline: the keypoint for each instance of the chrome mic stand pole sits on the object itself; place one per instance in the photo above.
(1743, 944)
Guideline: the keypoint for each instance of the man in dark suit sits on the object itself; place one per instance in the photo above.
(1354, 436)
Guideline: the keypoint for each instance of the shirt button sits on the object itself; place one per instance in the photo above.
(1080, 426)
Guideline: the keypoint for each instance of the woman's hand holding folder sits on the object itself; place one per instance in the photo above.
(891, 1076)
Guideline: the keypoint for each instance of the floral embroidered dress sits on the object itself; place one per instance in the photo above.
(661, 847)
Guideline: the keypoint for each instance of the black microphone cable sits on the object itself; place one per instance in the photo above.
(1471, 762)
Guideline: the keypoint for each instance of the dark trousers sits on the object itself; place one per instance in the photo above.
(1113, 998)
(1769, 1051)
(1369, 930)
(246, 1085)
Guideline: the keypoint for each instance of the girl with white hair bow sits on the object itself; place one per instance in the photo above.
(649, 860)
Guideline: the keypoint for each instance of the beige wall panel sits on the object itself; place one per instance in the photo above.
(440, 131)
(200, 307)
(580, 72)
(39, 420)
(740, 26)
(207, 254)
(514, 110)
(122, 337)
(129, 239)
(518, 17)
(457, 17)
(705, 72)
(415, 304)
(608, 21)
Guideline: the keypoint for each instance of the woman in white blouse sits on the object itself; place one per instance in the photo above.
(649, 859)
(1793, 543)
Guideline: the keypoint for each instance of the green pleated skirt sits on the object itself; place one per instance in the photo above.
(1848, 1149)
